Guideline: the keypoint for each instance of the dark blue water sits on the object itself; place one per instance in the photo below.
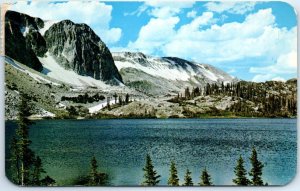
(120, 146)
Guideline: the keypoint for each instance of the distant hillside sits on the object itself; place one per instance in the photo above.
(159, 76)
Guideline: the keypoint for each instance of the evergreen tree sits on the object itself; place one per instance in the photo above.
(256, 171)
(173, 179)
(15, 160)
(187, 93)
(127, 98)
(150, 175)
(120, 100)
(47, 181)
(27, 167)
(96, 178)
(115, 96)
(188, 179)
(25, 154)
(240, 173)
(37, 171)
(93, 173)
(205, 179)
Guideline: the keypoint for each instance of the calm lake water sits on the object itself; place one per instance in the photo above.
(120, 146)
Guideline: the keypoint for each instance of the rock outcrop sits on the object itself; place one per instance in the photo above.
(23, 42)
(77, 47)
(74, 46)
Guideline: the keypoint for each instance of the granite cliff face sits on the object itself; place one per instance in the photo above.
(23, 42)
(74, 46)
(77, 47)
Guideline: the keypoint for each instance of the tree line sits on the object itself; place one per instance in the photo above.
(26, 167)
(271, 98)
(85, 98)
(152, 178)
(119, 100)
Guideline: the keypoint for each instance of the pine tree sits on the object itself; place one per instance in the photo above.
(127, 98)
(93, 173)
(205, 179)
(188, 179)
(115, 96)
(25, 154)
(240, 173)
(173, 179)
(95, 178)
(15, 160)
(120, 100)
(150, 175)
(187, 93)
(47, 181)
(27, 167)
(37, 171)
(256, 171)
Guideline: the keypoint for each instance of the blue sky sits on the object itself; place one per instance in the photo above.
(249, 40)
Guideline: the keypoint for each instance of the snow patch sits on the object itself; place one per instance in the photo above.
(210, 75)
(43, 114)
(35, 76)
(25, 31)
(100, 106)
(165, 68)
(52, 69)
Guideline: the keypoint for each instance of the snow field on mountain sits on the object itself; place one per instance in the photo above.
(52, 69)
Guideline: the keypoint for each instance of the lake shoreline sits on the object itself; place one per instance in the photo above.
(120, 146)
(138, 117)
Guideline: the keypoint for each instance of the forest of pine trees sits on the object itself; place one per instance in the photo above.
(273, 99)
(85, 98)
(255, 172)
(152, 178)
(26, 167)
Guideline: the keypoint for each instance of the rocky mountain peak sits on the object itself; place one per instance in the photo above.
(23, 42)
(77, 47)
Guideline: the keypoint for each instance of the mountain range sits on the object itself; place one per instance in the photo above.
(50, 60)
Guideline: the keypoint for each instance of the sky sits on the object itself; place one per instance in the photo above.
(254, 41)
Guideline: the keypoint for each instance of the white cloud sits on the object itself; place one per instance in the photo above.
(262, 77)
(191, 14)
(267, 77)
(95, 14)
(137, 12)
(230, 7)
(202, 40)
(162, 8)
(279, 79)
(154, 35)
(256, 36)
(286, 64)
(169, 3)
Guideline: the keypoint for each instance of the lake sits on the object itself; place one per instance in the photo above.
(120, 146)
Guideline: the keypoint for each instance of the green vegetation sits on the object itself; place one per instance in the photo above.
(205, 179)
(173, 179)
(151, 178)
(188, 178)
(240, 173)
(94, 178)
(26, 168)
(256, 171)
(248, 99)
(85, 98)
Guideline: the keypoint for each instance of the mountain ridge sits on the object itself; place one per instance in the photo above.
(69, 43)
